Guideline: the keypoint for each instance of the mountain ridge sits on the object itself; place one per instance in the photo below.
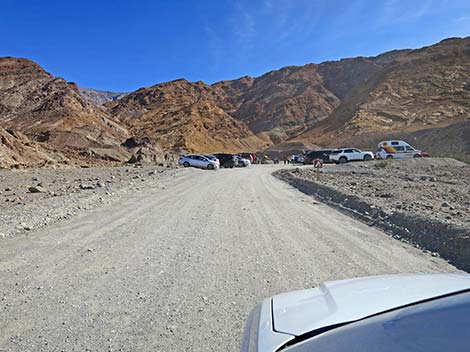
(353, 99)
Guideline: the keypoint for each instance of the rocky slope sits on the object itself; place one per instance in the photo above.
(421, 95)
(17, 150)
(51, 111)
(419, 88)
(184, 116)
(359, 99)
(99, 97)
(283, 103)
(409, 91)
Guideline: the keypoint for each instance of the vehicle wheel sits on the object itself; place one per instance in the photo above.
(186, 164)
(389, 157)
(343, 160)
(231, 166)
(417, 156)
(367, 157)
(210, 167)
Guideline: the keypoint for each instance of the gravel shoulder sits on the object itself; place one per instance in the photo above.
(32, 199)
(423, 201)
(179, 267)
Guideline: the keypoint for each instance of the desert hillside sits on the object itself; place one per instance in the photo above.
(184, 116)
(421, 95)
(99, 97)
(415, 93)
(283, 103)
(51, 112)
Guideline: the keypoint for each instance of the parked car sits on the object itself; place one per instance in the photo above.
(213, 158)
(343, 155)
(398, 150)
(242, 162)
(323, 154)
(199, 161)
(395, 313)
(226, 160)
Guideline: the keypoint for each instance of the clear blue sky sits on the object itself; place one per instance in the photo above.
(123, 45)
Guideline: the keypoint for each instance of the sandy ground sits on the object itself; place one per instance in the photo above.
(178, 267)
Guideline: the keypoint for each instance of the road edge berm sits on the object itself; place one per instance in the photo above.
(449, 242)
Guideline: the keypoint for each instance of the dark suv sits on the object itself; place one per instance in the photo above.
(226, 160)
(323, 154)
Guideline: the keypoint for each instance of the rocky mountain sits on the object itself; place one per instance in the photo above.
(409, 91)
(99, 97)
(418, 94)
(184, 116)
(49, 109)
(285, 102)
(334, 102)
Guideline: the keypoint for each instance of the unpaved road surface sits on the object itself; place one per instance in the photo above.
(178, 269)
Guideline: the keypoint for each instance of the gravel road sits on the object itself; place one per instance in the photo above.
(178, 269)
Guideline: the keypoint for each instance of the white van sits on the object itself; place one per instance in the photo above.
(397, 150)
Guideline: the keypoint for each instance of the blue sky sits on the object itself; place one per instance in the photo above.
(123, 45)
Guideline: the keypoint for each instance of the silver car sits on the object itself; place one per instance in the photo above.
(396, 313)
(242, 162)
(199, 161)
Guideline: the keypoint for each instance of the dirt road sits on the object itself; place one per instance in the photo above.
(178, 269)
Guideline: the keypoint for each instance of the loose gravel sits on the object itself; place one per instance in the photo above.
(421, 201)
(31, 199)
(177, 265)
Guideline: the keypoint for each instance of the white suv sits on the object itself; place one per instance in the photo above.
(343, 155)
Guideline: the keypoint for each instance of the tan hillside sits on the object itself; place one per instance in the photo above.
(285, 102)
(230, 94)
(414, 90)
(184, 116)
(50, 110)
(351, 101)
(421, 88)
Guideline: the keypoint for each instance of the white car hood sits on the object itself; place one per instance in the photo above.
(345, 301)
